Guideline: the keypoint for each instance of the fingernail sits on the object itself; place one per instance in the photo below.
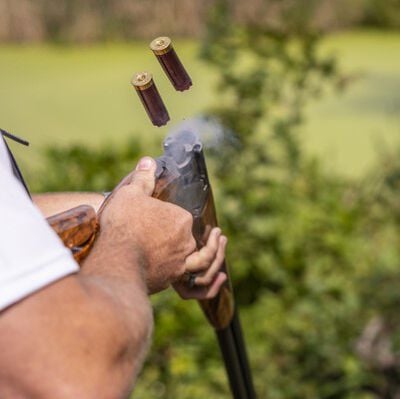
(144, 164)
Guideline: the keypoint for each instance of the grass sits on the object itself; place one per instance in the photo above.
(58, 94)
(347, 129)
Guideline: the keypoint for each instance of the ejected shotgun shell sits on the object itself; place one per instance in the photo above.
(172, 65)
(150, 97)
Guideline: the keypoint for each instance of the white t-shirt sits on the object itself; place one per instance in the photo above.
(31, 254)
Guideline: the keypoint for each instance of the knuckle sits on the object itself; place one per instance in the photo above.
(213, 246)
(181, 217)
(208, 280)
(127, 192)
(122, 192)
(205, 280)
(192, 260)
(211, 294)
(179, 271)
(192, 244)
(207, 255)
(187, 218)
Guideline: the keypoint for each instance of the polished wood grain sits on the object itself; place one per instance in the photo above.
(77, 229)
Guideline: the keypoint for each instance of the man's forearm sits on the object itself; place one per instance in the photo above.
(52, 203)
(79, 333)
(85, 335)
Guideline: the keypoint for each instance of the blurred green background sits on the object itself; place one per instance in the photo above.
(82, 94)
(307, 190)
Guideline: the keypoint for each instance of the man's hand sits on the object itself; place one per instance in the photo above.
(165, 262)
(153, 233)
(206, 267)
(72, 337)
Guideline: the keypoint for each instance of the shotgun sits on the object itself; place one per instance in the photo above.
(182, 179)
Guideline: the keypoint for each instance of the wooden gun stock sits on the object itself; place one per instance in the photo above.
(77, 228)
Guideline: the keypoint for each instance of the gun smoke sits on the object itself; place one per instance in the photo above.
(209, 131)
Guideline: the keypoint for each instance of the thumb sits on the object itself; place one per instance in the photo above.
(143, 178)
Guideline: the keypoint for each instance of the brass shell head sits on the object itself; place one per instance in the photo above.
(142, 80)
(161, 45)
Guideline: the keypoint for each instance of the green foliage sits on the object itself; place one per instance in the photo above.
(382, 13)
(315, 262)
(266, 76)
(78, 168)
(308, 248)
(68, 21)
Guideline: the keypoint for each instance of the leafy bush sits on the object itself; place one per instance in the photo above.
(384, 14)
(308, 248)
(87, 21)
(78, 168)
(315, 264)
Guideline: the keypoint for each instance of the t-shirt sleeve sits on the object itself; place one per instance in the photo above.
(31, 254)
